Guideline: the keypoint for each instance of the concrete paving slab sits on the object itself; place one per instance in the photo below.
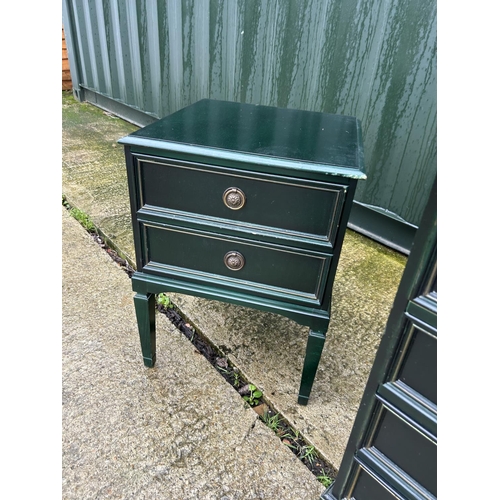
(94, 177)
(268, 349)
(176, 431)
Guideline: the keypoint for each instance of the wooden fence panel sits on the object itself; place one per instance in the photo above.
(66, 76)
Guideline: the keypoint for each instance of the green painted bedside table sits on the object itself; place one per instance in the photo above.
(245, 204)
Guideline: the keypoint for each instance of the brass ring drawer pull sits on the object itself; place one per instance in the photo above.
(234, 261)
(234, 198)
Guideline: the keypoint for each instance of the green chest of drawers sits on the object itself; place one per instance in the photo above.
(245, 204)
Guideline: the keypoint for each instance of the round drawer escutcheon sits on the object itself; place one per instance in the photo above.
(234, 261)
(234, 198)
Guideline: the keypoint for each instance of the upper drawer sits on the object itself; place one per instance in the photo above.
(280, 204)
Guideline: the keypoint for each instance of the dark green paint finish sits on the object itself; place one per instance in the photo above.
(383, 227)
(296, 137)
(228, 227)
(418, 456)
(312, 208)
(311, 316)
(145, 313)
(391, 478)
(314, 349)
(262, 164)
(200, 256)
(423, 312)
(368, 487)
(297, 171)
(411, 406)
(394, 436)
(419, 368)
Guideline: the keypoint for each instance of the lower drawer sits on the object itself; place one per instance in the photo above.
(269, 270)
(419, 368)
(367, 488)
(408, 449)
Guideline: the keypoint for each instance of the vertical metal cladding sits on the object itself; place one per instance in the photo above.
(372, 60)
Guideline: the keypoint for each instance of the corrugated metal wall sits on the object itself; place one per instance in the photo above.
(372, 59)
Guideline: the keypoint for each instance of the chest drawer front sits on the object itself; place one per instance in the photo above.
(368, 488)
(415, 454)
(419, 368)
(265, 269)
(287, 205)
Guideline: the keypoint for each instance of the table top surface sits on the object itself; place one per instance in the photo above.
(314, 140)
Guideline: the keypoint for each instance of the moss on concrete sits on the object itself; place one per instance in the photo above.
(371, 263)
(94, 177)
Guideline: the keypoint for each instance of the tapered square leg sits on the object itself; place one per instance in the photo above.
(315, 343)
(145, 313)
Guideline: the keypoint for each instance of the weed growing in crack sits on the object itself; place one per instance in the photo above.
(292, 434)
(88, 225)
(79, 215)
(83, 219)
(272, 421)
(163, 300)
(308, 453)
(253, 399)
(324, 479)
(304, 451)
(288, 443)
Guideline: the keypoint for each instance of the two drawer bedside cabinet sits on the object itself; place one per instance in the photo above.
(245, 204)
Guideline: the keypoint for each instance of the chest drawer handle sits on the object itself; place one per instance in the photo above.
(234, 261)
(234, 198)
